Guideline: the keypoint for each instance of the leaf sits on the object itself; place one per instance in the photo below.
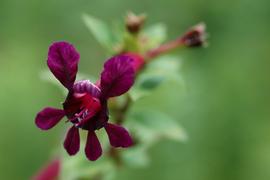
(78, 167)
(167, 64)
(136, 156)
(101, 31)
(162, 69)
(151, 82)
(151, 125)
(155, 35)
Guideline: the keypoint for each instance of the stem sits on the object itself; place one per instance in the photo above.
(121, 112)
(120, 116)
(164, 48)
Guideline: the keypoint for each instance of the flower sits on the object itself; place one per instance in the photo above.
(49, 172)
(86, 103)
(195, 37)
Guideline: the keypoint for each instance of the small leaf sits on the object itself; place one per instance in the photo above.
(100, 30)
(151, 82)
(150, 126)
(163, 69)
(78, 167)
(155, 35)
(136, 156)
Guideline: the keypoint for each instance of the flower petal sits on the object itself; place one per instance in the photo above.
(49, 117)
(118, 76)
(118, 136)
(85, 86)
(63, 62)
(93, 148)
(49, 172)
(102, 117)
(72, 141)
(138, 60)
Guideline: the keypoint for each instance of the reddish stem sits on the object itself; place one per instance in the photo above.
(164, 48)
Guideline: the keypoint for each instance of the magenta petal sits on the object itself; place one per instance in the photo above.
(85, 86)
(93, 148)
(72, 141)
(49, 172)
(63, 62)
(118, 136)
(49, 117)
(117, 76)
(138, 60)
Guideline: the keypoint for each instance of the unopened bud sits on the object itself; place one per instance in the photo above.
(195, 37)
(134, 22)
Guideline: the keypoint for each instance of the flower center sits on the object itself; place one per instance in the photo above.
(81, 107)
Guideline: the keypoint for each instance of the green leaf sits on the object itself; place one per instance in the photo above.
(136, 156)
(167, 64)
(151, 82)
(162, 69)
(78, 167)
(151, 126)
(155, 35)
(101, 31)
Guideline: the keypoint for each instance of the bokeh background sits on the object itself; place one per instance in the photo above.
(225, 110)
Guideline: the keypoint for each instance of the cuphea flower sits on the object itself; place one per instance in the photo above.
(86, 103)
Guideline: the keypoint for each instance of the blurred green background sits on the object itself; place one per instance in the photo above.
(225, 110)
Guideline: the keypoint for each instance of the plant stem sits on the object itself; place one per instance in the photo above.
(164, 48)
(120, 116)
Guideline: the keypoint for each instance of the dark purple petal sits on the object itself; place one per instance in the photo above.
(93, 148)
(72, 141)
(63, 62)
(117, 76)
(49, 172)
(85, 86)
(102, 117)
(118, 136)
(49, 117)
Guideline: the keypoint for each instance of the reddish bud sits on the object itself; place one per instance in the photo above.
(195, 37)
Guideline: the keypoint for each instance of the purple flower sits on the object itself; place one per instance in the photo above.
(86, 103)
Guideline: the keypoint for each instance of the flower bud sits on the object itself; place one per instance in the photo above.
(134, 22)
(195, 37)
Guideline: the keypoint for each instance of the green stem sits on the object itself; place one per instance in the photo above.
(120, 116)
